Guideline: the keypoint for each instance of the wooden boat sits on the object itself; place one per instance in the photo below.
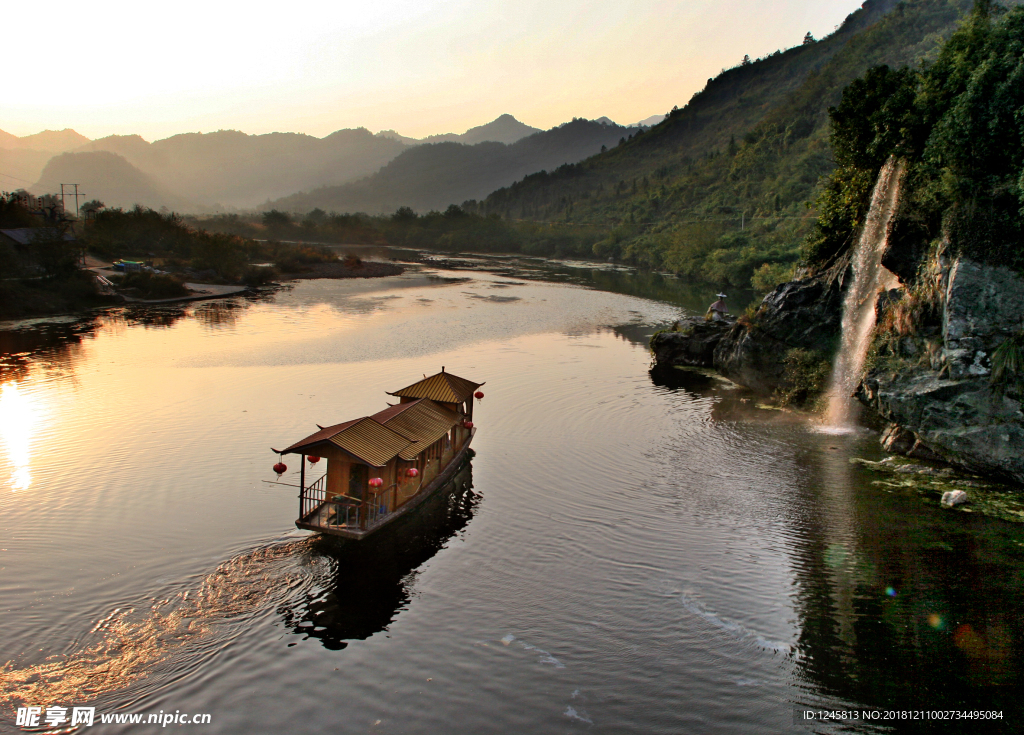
(380, 467)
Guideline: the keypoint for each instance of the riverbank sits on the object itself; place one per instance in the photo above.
(26, 298)
(20, 299)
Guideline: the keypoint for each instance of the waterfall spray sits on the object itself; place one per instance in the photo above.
(869, 276)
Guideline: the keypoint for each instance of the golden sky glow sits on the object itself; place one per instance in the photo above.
(420, 67)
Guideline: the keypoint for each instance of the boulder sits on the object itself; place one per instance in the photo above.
(942, 403)
(965, 422)
(693, 345)
(803, 314)
(951, 498)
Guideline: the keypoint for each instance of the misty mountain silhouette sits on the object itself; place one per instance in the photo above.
(432, 176)
(111, 179)
(232, 168)
(54, 141)
(503, 129)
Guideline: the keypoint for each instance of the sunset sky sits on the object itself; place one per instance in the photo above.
(417, 66)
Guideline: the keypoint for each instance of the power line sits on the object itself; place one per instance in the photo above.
(17, 178)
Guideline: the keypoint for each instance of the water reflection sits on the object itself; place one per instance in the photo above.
(901, 605)
(20, 416)
(611, 277)
(369, 581)
(54, 346)
(219, 314)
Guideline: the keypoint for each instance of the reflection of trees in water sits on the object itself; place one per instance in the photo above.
(367, 583)
(56, 346)
(154, 316)
(693, 295)
(53, 347)
(904, 606)
(899, 604)
(219, 314)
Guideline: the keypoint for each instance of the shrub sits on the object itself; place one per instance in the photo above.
(154, 285)
(1008, 364)
(807, 374)
(258, 275)
(770, 275)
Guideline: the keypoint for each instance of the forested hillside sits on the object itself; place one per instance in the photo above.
(957, 124)
(719, 190)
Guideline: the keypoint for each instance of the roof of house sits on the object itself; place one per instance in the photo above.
(29, 235)
(422, 421)
(366, 439)
(442, 387)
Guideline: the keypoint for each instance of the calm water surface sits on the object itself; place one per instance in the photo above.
(627, 553)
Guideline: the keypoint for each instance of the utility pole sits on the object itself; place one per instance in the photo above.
(69, 194)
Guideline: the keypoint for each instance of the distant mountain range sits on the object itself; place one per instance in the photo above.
(504, 129)
(435, 175)
(231, 169)
(111, 179)
(203, 172)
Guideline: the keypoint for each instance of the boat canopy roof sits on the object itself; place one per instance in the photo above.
(421, 420)
(442, 387)
(403, 430)
(366, 439)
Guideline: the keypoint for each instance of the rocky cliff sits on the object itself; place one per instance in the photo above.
(937, 390)
(931, 375)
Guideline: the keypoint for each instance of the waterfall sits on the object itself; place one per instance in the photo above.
(869, 276)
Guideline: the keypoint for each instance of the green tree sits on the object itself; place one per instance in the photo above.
(276, 219)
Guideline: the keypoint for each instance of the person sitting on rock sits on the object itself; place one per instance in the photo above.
(717, 311)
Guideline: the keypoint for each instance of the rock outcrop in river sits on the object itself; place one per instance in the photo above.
(934, 386)
(800, 315)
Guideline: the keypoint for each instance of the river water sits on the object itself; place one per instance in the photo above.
(627, 553)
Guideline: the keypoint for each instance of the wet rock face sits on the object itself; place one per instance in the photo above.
(693, 345)
(945, 402)
(801, 314)
(983, 306)
(966, 422)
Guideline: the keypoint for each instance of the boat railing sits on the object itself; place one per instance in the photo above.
(341, 513)
(381, 503)
(313, 495)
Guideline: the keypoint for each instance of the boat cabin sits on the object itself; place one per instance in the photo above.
(377, 467)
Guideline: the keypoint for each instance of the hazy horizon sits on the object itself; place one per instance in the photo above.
(420, 69)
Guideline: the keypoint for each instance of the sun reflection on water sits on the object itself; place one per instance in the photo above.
(19, 422)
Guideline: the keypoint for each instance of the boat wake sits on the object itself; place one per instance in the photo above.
(177, 631)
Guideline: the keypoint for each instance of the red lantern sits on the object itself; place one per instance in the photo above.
(468, 424)
(479, 394)
(313, 459)
(412, 472)
(375, 482)
(280, 468)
